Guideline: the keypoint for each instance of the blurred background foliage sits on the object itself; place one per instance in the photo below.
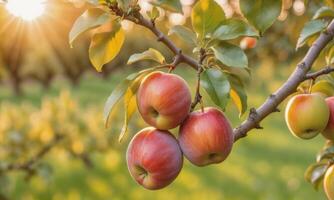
(48, 89)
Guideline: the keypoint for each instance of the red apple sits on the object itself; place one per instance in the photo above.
(306, 115)
(163, 100)
(248, 43)
(329, 130)
(154, 158)
(206, 137)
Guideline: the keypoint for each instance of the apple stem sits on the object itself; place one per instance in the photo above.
(198, 96)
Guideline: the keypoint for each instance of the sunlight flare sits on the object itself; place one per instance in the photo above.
(27, 10)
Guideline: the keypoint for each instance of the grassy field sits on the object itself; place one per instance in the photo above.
(269, 164)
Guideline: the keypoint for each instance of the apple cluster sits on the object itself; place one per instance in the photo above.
(155, 155)
(308, 115)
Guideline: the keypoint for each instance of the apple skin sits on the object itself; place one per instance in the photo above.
(154, 158)
(329, 183)
(306, 115)
(206, 137)
(328, 133)
(248, 43)
(323, 87)
(163, 100)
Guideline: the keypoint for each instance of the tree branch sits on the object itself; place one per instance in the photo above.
(139, 19)
(324, 71)
(298, 76)
(27, 166)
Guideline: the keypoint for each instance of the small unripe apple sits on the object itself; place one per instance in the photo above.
(329, 183)
(324, 87)
(248, 43)
(329, 130)
(163, 100)
(306, 115)
(206, 137)
(154, 158)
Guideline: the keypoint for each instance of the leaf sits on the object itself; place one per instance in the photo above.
(261, 13)
(119, 92)
(206, 17)
(328, 153)
(154, 13)
(124, 4)
(90, 19)
(315, 173)
(233, 28)
(171, 5)
(310, 29)
(130, 104)
(324, 12)
(150, 54)
(238, 94)
(184, 33)
(105, 46)
(330, 55)
(230, 55)
(216, 84)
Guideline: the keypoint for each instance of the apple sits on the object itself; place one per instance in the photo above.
(306, 115)
(206, 137)
(329, 183)
(154, 158)
(248, 43)
(328, 133)
(163, 100)
(324, 87)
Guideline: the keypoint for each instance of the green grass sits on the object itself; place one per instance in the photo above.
(268, 164)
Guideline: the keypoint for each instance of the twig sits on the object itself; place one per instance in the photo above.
(27, 166)
(324, 71)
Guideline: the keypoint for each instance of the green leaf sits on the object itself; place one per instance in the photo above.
(261, 13)
(206, 17)
(184, 33)
(310, 29)
(119, 92)
(105, 46)
(124, 4)
(154, 13)
(238, 94)
(171, 5)
(329, 56)
(90, 19)
(233, 28)
(315, 173)
(150, 54)
(216, 84)
(230, 55)
(324, 12)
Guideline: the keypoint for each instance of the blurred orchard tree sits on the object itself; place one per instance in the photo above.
(215, 38)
